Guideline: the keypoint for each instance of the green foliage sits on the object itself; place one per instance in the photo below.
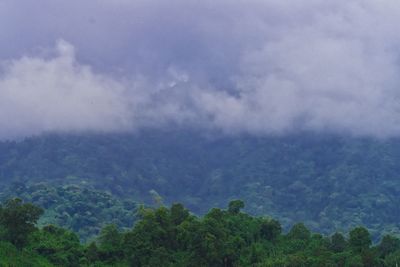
(389, 244)
(359, 239)
(235, 206)
(76, 207)
(173, 237)
(17, 220)
(11, 256)
(59, 246)
(393, 259)
(231, 238)
(110, 243)
(338, 243)
(300, 232)
(92, 253)
(327, 182)
(270, 229)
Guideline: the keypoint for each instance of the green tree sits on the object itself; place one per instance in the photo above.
(392, 259)
(178, 213)
(338, 242)
(270, 229)
(18, 220)
(59, 246)
(389, 244)
(299, 231)
(235, 206)
(110, 243)
(92, 253)
(359, 239)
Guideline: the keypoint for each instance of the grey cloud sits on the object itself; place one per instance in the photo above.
(259, 67)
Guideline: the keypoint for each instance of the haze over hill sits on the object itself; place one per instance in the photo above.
(258, 67)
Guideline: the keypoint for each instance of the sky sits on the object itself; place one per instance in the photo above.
(237, 67)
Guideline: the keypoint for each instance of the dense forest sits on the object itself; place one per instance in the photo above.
(81, 209)
(328, 182)
(172, 236)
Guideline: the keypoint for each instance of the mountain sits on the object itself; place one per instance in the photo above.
(329, 182)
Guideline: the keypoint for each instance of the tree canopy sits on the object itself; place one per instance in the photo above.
(172, 236)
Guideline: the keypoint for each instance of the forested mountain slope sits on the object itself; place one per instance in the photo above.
(329, 183)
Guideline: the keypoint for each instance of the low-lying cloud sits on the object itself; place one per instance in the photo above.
(58, 94)
(258, 67)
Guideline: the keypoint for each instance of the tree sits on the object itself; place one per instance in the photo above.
(299, 231)
(178, 213)
(18, 220)
(359, 239)
(388, 245)
(92, 253)
(56, 244)
(270, 229)
(235, 206)
(393, 259)
(110, 241)
(338, 243)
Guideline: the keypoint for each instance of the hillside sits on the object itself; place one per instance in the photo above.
(330, 183)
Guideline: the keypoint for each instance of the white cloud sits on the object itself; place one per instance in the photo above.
(260, 67)
(59, 94)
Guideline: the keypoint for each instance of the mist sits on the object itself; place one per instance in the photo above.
(255, 67)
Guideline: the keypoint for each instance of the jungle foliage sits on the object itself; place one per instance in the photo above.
(79, 208)
(172, 236)
(328, 182)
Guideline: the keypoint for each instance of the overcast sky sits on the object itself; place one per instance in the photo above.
(258, 67)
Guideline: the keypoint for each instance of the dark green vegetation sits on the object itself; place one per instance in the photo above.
(174, 237)
(329, 183)
(78, 208)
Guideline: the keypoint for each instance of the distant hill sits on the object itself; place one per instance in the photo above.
(329, 182)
